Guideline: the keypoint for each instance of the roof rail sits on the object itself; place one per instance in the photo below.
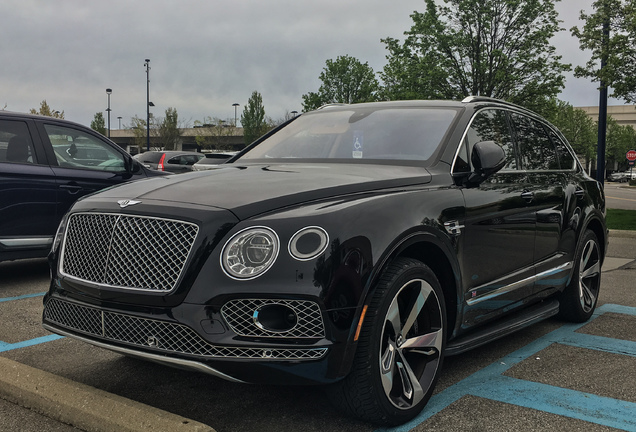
(331, 105)
(482, 99)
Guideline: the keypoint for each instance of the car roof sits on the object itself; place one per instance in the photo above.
(29, 116)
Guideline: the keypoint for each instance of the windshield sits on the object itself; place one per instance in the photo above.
(408, 134)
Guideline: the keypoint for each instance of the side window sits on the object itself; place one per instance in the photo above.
(15, 143)
(535, 147)
(566, 160)
(492, 125)
(74, 148)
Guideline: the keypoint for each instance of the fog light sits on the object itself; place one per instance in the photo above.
(275, 318)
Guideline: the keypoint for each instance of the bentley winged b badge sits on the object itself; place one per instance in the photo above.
(126, 203)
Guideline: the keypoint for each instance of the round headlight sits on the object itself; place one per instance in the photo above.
(250, 253)
(308, 243)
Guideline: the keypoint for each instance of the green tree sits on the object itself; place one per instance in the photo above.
(46, 110)
(98, 124)
(496, 48)
(215, 133)
(620, 139)
(253, 118)
(345, 80)
(168, 130)
(619, 50)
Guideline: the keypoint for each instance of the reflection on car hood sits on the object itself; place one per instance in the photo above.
(247, 190)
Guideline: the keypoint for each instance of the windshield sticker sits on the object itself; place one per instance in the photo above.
(358, 140)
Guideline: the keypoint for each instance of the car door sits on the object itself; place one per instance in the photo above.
(28, 191)
(83, 162)
(500, 225)
(547, 185)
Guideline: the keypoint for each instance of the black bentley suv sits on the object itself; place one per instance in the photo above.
(355, 247)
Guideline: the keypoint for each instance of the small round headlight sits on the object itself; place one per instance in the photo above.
(308, 243)
(250, 253)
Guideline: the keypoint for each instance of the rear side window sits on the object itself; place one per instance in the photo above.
(566, 160)
(15, 143)
(536, 150)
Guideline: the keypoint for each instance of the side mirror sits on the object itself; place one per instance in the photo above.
(133, 166)
(487, 157)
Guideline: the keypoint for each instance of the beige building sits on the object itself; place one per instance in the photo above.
(623, 114)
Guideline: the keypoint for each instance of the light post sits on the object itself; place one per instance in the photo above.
(108, 92)
(294, 113)
(147, 65)
(119, 118)
(235, 105)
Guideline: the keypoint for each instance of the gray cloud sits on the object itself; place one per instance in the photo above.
(205, 55)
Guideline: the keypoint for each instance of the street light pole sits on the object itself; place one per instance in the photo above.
(147, 65)
(108, 92)
(119, 118)
(235, 105)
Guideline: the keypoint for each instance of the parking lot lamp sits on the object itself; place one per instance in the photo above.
(235, 105)
(119, 118)
(147, 65)
(108, 92)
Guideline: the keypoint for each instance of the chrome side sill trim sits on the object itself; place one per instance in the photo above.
(27, 242)
(177, 363)
(508, 288)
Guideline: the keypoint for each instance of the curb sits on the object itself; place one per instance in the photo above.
(82, 406)
(622, 233)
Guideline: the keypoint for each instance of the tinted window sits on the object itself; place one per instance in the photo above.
(359, 133)
(15, 143)
(492, 125)
(76, 149)
(566, 160)
(535, 147)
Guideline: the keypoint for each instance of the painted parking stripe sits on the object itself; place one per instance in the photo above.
(490, 383)
(4, 346)
(6, 299)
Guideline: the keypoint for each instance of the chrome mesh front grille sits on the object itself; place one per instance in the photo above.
(239, 316)
(160, 335)
(127, 251)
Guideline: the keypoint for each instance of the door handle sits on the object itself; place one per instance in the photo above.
(72, 189)
(527, 195)
(580, 193)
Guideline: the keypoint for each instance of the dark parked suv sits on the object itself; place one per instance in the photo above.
(46, 164)
(356, 246)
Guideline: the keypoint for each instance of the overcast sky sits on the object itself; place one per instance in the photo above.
(204, 55)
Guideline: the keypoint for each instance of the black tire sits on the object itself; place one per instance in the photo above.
(578, 300)
(400, 350)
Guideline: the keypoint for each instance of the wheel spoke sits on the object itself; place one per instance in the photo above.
(416, 308)
(423, 344)
(587, 295)
(387, 371)
(592, 271)
(411, 387)
(393, 316)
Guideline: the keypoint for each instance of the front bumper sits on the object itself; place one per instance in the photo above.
(158, 338)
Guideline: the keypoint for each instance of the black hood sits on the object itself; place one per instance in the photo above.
(247, 190)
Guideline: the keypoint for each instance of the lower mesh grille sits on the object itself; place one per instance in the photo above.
(160, 335)
(239, 316)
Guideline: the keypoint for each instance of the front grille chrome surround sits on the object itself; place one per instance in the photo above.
(126, 251)
(161, 336)
(239, 314)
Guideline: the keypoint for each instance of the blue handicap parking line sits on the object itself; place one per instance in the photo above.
(6, 299)
(5, 346)
(490, 383)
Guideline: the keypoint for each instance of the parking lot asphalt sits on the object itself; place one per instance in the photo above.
(551, 376)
